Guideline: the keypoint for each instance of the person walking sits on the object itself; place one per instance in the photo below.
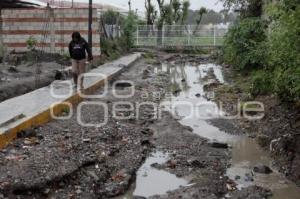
(78, 48)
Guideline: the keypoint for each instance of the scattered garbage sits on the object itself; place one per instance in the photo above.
(218, 144)
(248, 177)
(13, 69)
(231, 185)
(262, 169)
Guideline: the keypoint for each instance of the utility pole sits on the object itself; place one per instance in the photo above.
(129, 4)
(90, 37)
(1, 30)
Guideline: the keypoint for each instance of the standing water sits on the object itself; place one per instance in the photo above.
(151, 181)
(191, 104)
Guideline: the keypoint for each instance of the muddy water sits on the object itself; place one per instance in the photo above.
(191, 105)
(151, 181)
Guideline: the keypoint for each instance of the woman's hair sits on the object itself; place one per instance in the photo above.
(76, 35)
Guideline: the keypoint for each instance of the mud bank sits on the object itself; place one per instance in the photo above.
(64, 159)
(277, 132)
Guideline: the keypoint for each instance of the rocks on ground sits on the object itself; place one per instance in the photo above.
(253, 192)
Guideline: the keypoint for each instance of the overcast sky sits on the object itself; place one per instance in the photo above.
(139, 4)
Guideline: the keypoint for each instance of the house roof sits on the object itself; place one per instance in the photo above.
(100, 6)
(20, 3)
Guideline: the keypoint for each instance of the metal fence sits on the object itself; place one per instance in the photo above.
(180, 35)
(112, 31)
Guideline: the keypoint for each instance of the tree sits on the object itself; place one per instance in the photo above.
(173, 12)
(161, 20)
(227, 16)
(129, 5)
(129, 27)
(168, 14)
(161, 12)
(151, 13)
(109, 17)
(247, 8)
(201, 12)
(176, 5)
(185, 11)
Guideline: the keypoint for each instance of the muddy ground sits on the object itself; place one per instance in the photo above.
(63, 159)
(279, 130)
(20, 73)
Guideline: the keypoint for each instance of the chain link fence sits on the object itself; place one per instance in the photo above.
(179, 35)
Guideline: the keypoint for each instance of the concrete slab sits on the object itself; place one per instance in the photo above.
(33, 109)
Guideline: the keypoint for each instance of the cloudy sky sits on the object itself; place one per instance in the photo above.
(139, 4)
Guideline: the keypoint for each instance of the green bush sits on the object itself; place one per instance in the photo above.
(287, 84)
(261, 82)
(113, 49)
(244, 44)
(284, 49)
(284, 39)
(272, 53)
(106, 46)
(31, 43)
(66, 56)
(129, 28)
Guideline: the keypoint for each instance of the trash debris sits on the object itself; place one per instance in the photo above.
(262, 169)
(198, 95)
(218, 145)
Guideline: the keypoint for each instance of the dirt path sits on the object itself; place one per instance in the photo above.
(63, 159)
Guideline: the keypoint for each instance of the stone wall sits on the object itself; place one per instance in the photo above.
(51, 27)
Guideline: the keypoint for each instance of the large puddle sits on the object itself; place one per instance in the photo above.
(193, 107)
